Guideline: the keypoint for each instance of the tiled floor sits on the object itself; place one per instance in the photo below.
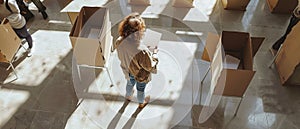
(50, 94)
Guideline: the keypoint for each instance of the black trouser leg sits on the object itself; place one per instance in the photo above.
(293, 21)
(24, 10)
(39, 5)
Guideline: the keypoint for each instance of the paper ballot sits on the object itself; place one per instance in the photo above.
(151, 38)
(231, 62)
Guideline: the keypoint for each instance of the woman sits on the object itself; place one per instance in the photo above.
(293, 21)
(9, 10)
(136, 59)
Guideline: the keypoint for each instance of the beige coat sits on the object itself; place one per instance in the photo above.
(136, 59)
(16, 20)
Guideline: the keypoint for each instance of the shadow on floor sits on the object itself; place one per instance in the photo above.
(3, 66)
(115, 120)
(50, 104)
(132, 119)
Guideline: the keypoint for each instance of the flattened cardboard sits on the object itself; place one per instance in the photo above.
(288, 57)
(183, 3)
(282, 6)
(235, 4)
(10, 42)
(139, 2)
(93, 20)
(210, 46)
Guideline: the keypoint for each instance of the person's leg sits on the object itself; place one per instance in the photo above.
(293, 21)
(141, 94)
(23, 33)
(129, 87)
(24, 10)
(39, 5)
(41, 8)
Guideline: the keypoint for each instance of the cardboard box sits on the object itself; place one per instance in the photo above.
(282, 6)
(74, 6)
(10, 42)
(235, 4)
(183, 3)
(139, 2)
(91, 36)
(288, 59)
(231, 82)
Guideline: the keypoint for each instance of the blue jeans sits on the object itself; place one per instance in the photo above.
(23, 33)
(139, 86)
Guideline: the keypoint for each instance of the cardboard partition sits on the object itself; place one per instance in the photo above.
(183, 3)
(73, 16)
(89, 52)
(91, 35)
(238, 44)
(289, 57)
(235, 4)
(139, 2)
(210, 46)
(234, 82)
(282, 6)
(237, 82)
(10, 42)
(256, 43)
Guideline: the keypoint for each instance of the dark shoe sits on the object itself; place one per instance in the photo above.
(45, 15)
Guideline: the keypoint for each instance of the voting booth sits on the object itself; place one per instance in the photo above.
(235, 4)
(9, 45)
(232, 70)
(91, 37)
(183, 3)
(288, 59)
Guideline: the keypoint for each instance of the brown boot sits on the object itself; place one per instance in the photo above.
(146, 101)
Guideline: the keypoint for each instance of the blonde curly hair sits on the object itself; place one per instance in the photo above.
(132, 24)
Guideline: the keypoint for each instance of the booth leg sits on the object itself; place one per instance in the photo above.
(201, 89)
(273, 60)
(205, 75)
(14, 71)
(108, 73)
(238, 107)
